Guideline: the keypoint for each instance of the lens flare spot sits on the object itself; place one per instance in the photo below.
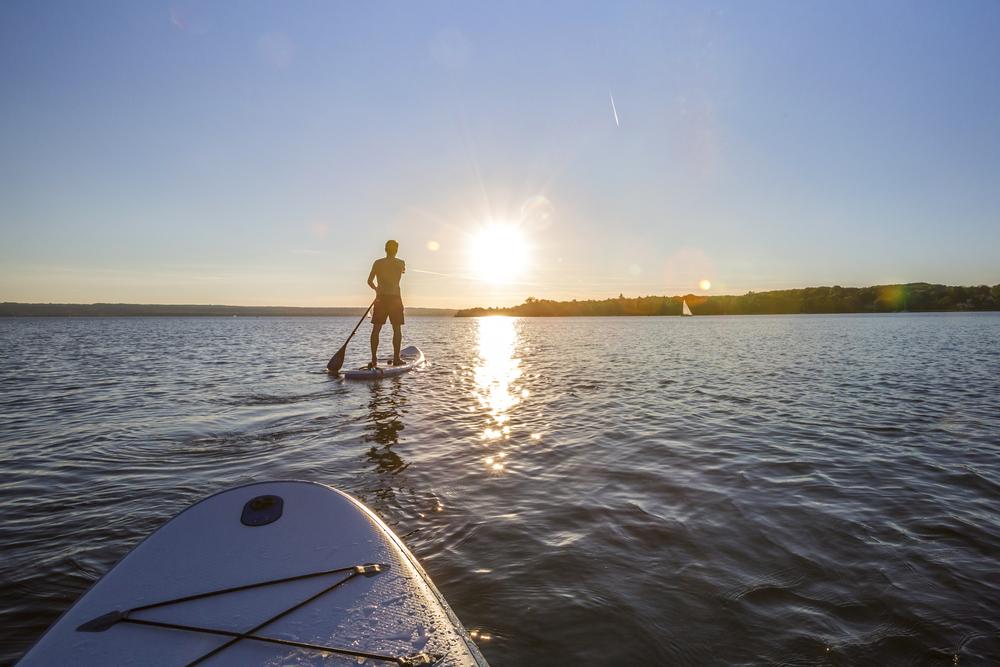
(705, 284)
(433, 246)
(537, 213)
(687, 267)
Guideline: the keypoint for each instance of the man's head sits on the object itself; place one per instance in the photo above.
(391, 248)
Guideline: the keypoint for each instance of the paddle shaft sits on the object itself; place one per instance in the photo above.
(340, 353)
(358, 325)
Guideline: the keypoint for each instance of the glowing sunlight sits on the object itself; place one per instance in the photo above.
(498, 253)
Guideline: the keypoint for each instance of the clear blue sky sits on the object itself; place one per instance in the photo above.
(261, 153)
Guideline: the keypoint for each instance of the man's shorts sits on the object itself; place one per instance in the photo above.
(389, 306)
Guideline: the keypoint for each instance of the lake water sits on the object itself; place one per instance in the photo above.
(729, 490)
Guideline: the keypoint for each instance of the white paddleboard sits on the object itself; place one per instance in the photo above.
(356, 594)
(411, 355)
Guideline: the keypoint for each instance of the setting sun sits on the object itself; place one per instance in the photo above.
(498, 253)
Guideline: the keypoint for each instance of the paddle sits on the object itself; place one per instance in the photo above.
(337, 360)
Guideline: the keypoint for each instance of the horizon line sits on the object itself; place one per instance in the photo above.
(222, 305)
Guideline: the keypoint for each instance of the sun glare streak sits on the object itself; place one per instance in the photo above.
(497, 370)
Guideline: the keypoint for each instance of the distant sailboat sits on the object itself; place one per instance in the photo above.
(684, 308)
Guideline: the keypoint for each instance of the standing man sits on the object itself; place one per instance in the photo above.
(388, 302)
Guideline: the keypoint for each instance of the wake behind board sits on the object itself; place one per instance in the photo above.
(411, 355)
(274, 573)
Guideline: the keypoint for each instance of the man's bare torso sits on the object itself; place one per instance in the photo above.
(388, 271)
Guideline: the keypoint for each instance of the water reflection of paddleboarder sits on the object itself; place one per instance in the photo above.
(388, 302)
(382, 430)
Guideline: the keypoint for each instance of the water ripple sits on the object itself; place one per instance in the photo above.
(742, 491)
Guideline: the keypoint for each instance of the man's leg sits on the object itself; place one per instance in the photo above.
(397, 340)
(376, 329)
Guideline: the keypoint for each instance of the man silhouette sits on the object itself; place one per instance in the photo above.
(388, 302)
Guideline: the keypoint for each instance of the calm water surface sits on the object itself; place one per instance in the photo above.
(745, 490)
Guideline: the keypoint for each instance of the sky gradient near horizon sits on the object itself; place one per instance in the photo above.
(261, 153)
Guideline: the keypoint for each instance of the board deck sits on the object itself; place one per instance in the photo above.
(411, 355)
(233, 539)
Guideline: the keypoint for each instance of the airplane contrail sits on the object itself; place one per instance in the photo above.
(614, 110)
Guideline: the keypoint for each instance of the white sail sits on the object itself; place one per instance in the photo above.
(684, 307)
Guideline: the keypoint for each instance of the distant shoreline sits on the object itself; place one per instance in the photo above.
(910, 297)
(9, 309)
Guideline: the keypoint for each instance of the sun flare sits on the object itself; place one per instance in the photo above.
(498, 253)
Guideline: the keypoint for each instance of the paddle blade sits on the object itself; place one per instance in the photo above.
(336, 361)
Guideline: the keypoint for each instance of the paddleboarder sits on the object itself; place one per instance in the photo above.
(384, 279)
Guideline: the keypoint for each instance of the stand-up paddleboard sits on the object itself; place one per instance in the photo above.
(411, 355)
(274, 573)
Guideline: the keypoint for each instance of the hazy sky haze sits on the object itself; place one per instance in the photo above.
(261, 153)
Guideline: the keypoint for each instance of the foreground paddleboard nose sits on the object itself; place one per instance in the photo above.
(268, 573)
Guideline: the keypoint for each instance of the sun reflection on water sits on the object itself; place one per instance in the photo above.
(497, 371)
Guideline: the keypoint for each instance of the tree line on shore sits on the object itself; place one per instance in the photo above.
(911, 297)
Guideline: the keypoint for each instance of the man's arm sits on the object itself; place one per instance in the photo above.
(371, 277)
